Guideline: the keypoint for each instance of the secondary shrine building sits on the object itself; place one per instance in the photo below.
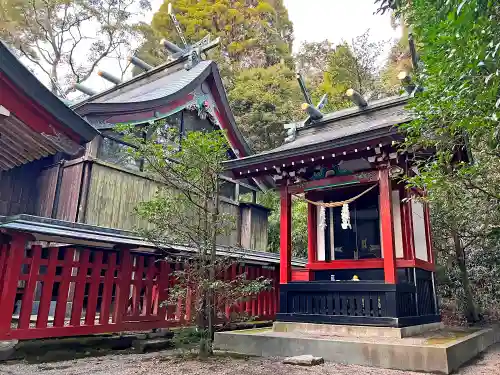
(370, 259)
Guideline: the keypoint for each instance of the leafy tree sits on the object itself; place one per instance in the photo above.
(186, 210)
(399, 60)
(263, 99)
(334, 69)
(352, 65)
(271, 199)
(67, 39)
(457, 116)
(254, 33)
(311, 61)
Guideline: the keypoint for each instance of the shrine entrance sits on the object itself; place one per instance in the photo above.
(350, 231)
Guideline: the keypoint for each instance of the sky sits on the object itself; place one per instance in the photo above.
(313, 20)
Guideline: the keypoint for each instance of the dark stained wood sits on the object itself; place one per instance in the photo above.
(19, 192)
(47, 186)
(70, 192)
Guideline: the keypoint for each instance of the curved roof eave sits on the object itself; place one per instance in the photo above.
(20, 76)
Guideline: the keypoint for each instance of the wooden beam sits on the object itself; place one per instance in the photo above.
(356, 178)
(285, 236)
(386, 227)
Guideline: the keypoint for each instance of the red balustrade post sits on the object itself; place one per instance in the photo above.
(62, 294)
(123, 286)
(107, 293)
(48, 286)
(13, 264)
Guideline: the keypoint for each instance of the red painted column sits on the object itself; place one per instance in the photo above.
(13, 264)
(311, 233)
(407, 227)
(386, 227)
(285, 236)
(428, 233)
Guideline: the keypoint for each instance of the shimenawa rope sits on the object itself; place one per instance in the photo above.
(337, 204)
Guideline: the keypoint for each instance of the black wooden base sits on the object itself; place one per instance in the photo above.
(359, 303)
(359, 320)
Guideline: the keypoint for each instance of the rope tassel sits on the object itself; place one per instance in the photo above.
(346, 217)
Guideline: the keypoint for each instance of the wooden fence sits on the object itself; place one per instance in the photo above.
(71, 290)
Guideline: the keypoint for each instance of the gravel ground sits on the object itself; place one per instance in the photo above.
(162, 364)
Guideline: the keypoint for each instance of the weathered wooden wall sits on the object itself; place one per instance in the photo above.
(70, 191)
(115, 192)
(19, 188)
(254, 225)
(233, 239)
(47, 185)
(113, 195)
(94, 192)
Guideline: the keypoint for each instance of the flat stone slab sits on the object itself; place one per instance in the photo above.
(304, 360)
(355, 331)
(439, 351)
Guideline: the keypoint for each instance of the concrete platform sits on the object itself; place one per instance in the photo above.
(441, 351)
(356, 331)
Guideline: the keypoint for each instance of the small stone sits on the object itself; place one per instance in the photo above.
(304, 360)
(7, 349)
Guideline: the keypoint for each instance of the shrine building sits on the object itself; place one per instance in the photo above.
(370, 259)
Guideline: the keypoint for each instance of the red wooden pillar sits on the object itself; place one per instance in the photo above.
(12, 268)
(312, 233)
(428, 233)
(285, 236)
(407, 226)
(386, 227)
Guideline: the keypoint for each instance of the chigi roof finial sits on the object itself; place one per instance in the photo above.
(313, 111)
(193, 51)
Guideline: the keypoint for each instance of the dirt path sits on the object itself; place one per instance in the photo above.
(161, 364)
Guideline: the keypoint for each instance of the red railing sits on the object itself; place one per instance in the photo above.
(68, 291)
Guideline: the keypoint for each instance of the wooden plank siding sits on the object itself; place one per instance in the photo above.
(19, 192)
(69, 195)
(47, 186)
(254, 225)
(94, 192)
(113, 195)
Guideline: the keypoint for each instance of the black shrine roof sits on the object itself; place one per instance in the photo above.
(165, 86)
(336, 130)
(162, 84)
(159, 86)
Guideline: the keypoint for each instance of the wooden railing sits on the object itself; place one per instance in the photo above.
(356, 303)
(71, 290)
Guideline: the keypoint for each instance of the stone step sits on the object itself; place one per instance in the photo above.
(152, 345)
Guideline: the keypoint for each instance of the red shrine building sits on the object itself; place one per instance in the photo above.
(370, 259)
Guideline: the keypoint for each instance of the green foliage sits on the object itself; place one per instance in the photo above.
(312, 60)
(67, 39)
(263, 99)
(399, 60)
(457, 116)
(271, 199)
(254, 33)
(334, 70)
(187, 211)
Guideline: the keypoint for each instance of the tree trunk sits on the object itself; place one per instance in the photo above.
(471, 313)
(213, 255)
